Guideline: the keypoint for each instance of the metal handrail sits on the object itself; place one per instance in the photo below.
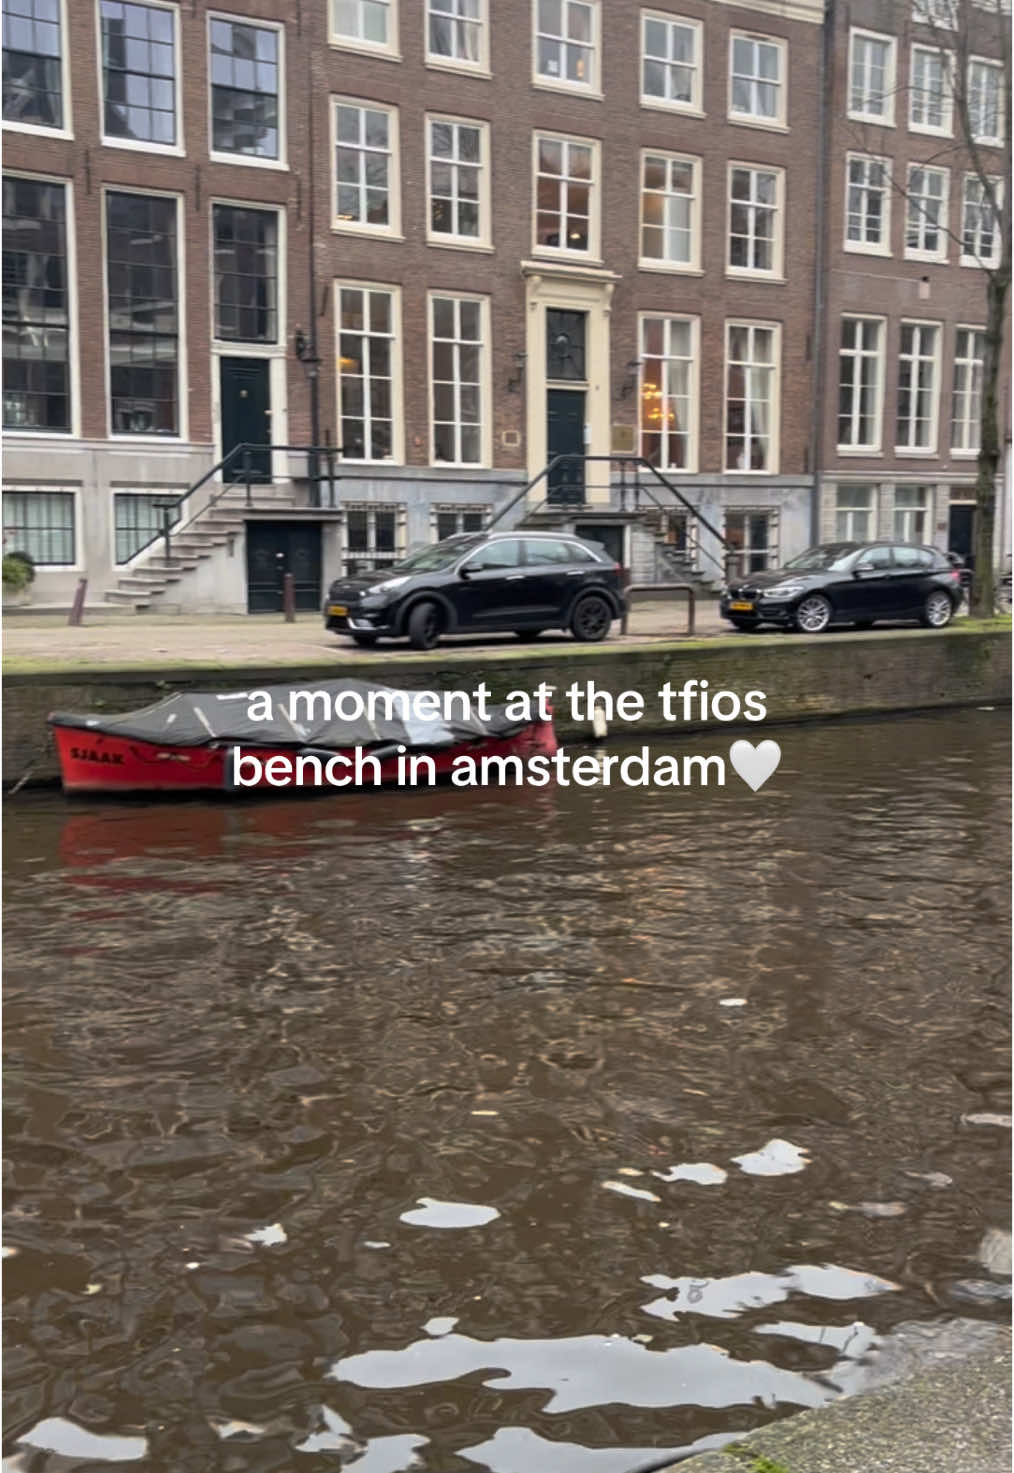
(245, 448)
(639, 588)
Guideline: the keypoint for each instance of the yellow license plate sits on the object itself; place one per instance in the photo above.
(739, 608)
(337, 609)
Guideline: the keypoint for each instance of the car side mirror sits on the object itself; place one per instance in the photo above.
(465, 571)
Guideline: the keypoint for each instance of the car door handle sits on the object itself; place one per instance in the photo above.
(576, 573)
(513, 577)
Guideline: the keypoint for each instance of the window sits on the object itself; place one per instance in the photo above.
(546, 552)
(457, 33)
(498, 554)
(853, 521)
(917, 386)
(912, 557)
(910, 503)
(670, 202)
(566, 333)
(565, 43)
(367, 25)
(757, 80)
(867, 205)
(876, 560)
(40, 523)
(368, 323)
(926, 213)
(668, 392)
(36, 311)
(929, 100)
(751, 397)
(143, 293)
(566, 207)
(980, 230)
(751, 539)
(755, 209)
(246, 75)
(458, 180)
(936, 13)
(450, 520)
(985, 110)
(670, 62)
(139, 73)
(32, 63)
(458, 378)
(860, 379)
(374, 536)
(871, 77)
(366, 194)
(137, 518)
(970, 347)
(246, 274)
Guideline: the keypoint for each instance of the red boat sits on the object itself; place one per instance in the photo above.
(342, 734)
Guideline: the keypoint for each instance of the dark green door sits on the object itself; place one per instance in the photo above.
(246, 415)
(274, 549)
(565, 436)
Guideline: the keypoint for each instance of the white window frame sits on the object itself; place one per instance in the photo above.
(916, 214)
(73, 340)
(850, 511)
(859, 114)
(694, 382)
(770, 551)
(863, 247)
(482, 241)
(40, 129)
(397, 456)
(218, 157)
(459, 510)
(977, 260)
(182, 364)
(388, 49)
(908, 514)
(695, 107)
(945, 127)
(777, 271)
(594, 251)
(15, 487)
(929, 449)
(137, 145)
(478, 68)
(239, 347)
(652, 263)
(371, 508)
(150, 493)
(937, 14)
(970, 425)
(775, 400)
(873, 446)
(485, 383)
(392, 230)
(591, 88)
(990, 140)
(758, 120)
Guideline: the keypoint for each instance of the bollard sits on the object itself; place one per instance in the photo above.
(289, 598)
(77, 608)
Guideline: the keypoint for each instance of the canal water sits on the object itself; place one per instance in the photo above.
(508, 1130)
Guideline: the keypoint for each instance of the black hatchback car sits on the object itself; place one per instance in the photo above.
(520, 582)
(847, 583)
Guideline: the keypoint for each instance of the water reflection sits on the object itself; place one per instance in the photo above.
(248, 1045)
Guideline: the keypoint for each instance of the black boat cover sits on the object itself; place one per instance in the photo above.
(330, 714)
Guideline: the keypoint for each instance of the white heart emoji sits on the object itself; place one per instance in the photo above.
(755, 764)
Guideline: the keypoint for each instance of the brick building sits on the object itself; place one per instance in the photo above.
(452, 239)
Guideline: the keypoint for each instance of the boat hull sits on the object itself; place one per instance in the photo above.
(92, 762)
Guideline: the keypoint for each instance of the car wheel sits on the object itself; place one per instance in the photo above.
(745, 625)
(424, 626)
(527, 635)
(812, 614)
(364, 641)
(938, 611)
(591, 619)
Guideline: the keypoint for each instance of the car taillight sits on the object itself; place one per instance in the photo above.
(955, 576)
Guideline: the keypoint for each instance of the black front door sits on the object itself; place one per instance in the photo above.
(246, 416)
(565, 436)
(274, 549)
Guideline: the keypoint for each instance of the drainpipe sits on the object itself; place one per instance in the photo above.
(819, 336)
(312, 359)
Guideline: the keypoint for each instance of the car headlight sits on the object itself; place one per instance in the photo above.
(387, 587)
(782, 591)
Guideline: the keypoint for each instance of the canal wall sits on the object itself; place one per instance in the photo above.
(833, 675)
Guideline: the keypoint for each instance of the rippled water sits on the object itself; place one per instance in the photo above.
(539, 1130)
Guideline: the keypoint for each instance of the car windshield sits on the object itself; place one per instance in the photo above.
(823, 559)
(432, 559)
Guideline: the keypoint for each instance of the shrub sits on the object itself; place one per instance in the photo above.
(18, 572)
(26, 561)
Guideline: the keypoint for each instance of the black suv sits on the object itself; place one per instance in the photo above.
(523, 582)
(847, 583)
